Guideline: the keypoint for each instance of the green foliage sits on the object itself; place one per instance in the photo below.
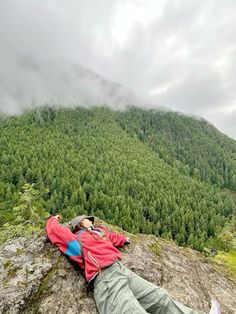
(193, 146)
(27, 211)
(27, 217)
(227, 261)
(87, 161)
(226, 240)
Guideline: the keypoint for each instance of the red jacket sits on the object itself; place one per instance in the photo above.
(98, 251)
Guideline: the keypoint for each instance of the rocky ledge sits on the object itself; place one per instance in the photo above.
(36, 278)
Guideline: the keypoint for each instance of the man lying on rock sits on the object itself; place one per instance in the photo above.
(116, 288)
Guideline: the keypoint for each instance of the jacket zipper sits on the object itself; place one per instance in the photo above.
(95, 262)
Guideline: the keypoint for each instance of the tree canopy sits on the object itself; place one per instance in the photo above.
(121, 167)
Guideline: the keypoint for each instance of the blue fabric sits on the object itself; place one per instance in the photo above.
(73, 248)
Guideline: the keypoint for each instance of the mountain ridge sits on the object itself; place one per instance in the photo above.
(187, 140)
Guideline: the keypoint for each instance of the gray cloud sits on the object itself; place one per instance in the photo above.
(195, 93)
(224, 120)
(182, 56)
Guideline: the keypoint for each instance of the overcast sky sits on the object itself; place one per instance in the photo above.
(175, 53)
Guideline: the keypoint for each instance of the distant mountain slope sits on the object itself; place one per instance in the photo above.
(192, 145)
(81, 161)
(98, 90)
(62, 83)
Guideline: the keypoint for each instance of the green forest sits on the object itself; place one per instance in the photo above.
(146, 171)
(193, 146)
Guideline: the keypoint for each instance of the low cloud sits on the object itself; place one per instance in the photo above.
(180, 54)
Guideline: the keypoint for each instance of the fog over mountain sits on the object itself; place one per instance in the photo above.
(62, 84)
(176, 54)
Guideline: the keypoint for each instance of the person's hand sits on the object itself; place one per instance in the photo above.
(127, 240)
(58, 217)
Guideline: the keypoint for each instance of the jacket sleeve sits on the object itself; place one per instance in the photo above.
(64, 239)
(117, 239)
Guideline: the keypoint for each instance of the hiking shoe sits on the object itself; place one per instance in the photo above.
(215, 308)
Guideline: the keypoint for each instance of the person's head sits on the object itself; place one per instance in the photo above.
(81, 222)
(85, 223)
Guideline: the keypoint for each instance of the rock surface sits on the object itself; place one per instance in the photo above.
(36, 278)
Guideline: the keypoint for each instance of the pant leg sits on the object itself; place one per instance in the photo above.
(113, 295)
(154, 299)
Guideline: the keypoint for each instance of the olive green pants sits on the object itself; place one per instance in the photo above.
(117, 290)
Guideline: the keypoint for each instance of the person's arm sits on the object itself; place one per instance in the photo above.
(64, 239)
(118, 239)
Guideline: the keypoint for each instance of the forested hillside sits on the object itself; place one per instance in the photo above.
(193, 146)
(91, 161)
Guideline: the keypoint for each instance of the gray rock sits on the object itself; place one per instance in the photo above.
(36, 278)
